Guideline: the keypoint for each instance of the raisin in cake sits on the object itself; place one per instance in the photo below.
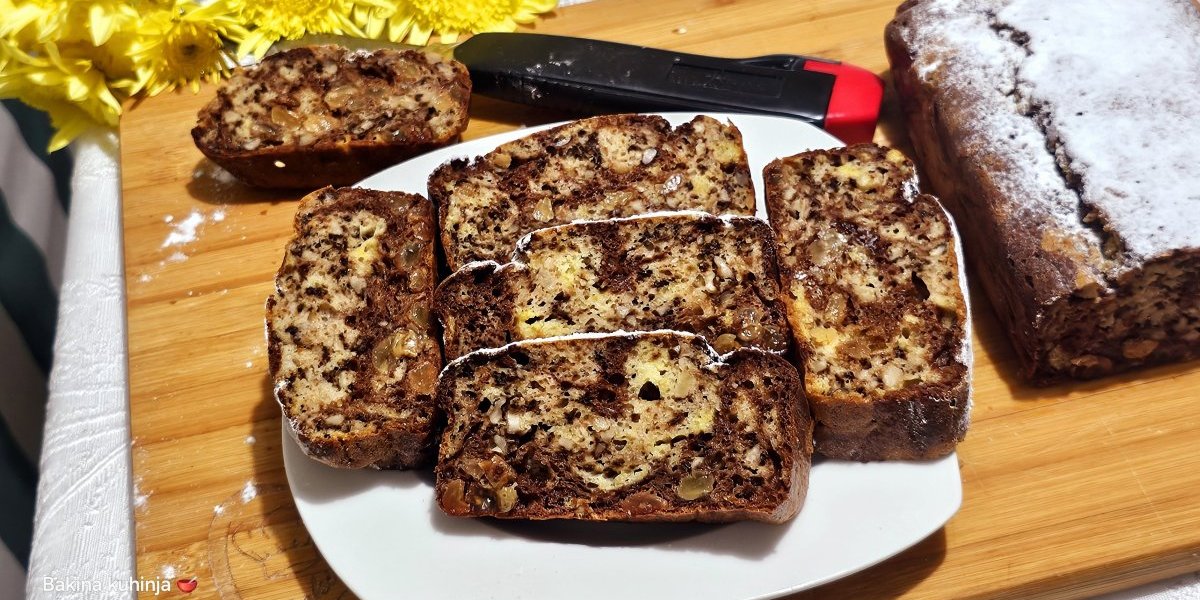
(632, 427)
(353, 353)
(322, 115)
(1062, 136)
(689, 271)
(876, 301)
(598, 168)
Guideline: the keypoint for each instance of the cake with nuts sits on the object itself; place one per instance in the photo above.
(689, 271)
(353, 353)
(875, 295)
(1062, 135)
(630, 427)
(323, 115)
(597, 168)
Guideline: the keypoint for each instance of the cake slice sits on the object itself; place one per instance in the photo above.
(689, 271)
(598, 168)
(353, 353)
(874, 289)
(323, 115)
(631, 427)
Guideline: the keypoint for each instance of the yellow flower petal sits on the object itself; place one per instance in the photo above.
(19, 18)
(184, 44)
(374, 22)
(419, 35)
(100, 24)
(455, 17)
(399, 27)
(257, 42)
(506, 25)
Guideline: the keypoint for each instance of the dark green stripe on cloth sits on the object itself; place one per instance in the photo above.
(25, 289)
(17, 498)
(35, 129)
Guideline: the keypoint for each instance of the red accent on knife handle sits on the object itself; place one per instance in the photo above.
(854, 102)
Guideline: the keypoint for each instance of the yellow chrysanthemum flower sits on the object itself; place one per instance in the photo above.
(184, 44)
(75, 95)
(43, 21)
(79, 59)
(114, 58)
(99, 31)
(289, 19)
(420, 20)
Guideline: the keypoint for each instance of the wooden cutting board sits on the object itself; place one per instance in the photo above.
(1068, 491)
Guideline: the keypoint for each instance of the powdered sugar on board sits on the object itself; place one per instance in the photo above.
(1109, 86)
(184, 231)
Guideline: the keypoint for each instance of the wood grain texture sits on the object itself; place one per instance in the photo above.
(1068, 491)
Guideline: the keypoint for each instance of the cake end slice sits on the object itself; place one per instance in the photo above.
(876, 299)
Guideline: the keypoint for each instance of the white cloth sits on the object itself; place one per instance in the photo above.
(83, 533)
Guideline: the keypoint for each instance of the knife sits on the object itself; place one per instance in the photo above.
(594, 77)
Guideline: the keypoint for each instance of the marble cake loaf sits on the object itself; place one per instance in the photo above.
(690, 271)
(875, 294)
(353, 353)
(598, 168)
(322, 115)
(1061, 136)
(631, 427)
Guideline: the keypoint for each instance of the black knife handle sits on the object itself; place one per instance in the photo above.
(592, 76)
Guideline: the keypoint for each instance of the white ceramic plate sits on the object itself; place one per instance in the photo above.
(385, 537)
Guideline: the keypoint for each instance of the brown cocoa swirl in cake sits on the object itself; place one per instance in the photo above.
(322, 115)
(631, 427)
(690, 271)
(353, 353)
(876, 300)
(1059, 134)
(597, 168)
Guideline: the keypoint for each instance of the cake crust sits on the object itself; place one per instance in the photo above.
(631, 427)
(322, 115)
(353, 353)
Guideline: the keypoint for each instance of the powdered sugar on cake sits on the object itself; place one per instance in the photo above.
(1099, 116)
(1124, 110)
